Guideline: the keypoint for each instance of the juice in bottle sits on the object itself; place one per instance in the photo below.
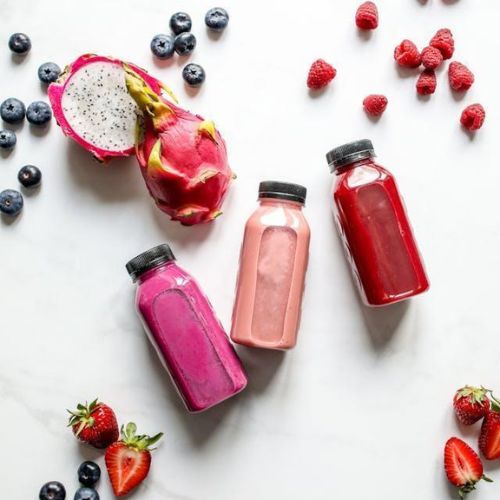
(185, 331)
(374, 227)
(273, 264)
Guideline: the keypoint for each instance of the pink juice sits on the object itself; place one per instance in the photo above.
(186, 333)
(273, 264)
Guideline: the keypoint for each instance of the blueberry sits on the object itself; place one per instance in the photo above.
(193, 74)
(86, 494)
(217, 19)
(49, 72)
(11, 203)
(180, 22)
(20, 43)
(162, 46)
(39, 113)
(30, 176)
(7, 139)
(12, 110)
(89, 473)
(184, 43)
(52, 491)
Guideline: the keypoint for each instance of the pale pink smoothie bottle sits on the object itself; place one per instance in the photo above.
(273, 264)
(183, 328)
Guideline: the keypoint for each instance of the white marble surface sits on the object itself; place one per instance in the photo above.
(361, 408)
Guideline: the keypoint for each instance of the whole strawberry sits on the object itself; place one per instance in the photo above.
(128, 460)
(94, 423)
(463, 466)
(471, 404)
(320, 74)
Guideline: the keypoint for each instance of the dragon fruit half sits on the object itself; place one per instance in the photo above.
(183, 157)
(91, 104)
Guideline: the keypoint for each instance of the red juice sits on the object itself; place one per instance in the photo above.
(374, 227)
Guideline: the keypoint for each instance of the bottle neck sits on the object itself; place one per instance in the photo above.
(354, 164)
(280, 202)
(154, 271)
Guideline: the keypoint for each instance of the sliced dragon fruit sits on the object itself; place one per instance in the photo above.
(92, 105)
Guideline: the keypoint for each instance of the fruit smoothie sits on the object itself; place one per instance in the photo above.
(374, 227)
(185, 331)
(273, 264)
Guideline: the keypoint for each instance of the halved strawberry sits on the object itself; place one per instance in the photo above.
(489, 439)
(463, 466)
(128, 460)
(95, 424)
(471, 404)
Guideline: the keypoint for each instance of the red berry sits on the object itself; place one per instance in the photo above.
(406, 54)
(128, 461)
(463, 466)
(367, 16)
(320, 74)
(471, 404)
(431, 57)
(443, 41)
(460, 76)
(473, 116)
(94, 424)
(375, 104)
(426, 83)
(489, 440)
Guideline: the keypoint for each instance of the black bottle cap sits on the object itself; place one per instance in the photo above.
(147, 260)
(283, 191)
(349, 153)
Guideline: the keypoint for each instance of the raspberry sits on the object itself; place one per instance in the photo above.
(375, 104)
(367, 16)
(443, 41)
(473, 117)
(460, 76)
(320, 74)
(426, 83)
(406, 54)
(431, 57)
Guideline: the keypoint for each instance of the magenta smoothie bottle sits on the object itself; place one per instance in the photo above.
(183, 327)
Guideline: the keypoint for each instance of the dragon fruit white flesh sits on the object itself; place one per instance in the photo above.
(92, 106)
(183, 157)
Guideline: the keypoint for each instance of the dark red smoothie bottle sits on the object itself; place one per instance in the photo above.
(374, 227)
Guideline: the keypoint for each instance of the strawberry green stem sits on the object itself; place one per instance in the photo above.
(495, 399)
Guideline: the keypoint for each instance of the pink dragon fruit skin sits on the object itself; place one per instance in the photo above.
(183, 157)
(67, 120)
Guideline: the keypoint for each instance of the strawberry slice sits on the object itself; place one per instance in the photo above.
(463, 466)
(128, 460)
(489, 439)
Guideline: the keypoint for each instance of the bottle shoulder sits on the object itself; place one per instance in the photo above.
(172, 277)
(362, 175)
(277, 215)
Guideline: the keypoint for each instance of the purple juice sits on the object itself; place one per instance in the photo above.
(186, 333)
